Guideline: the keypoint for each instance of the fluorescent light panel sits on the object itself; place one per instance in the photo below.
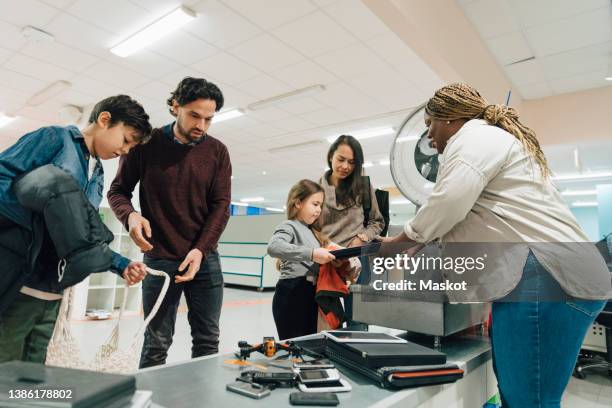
(578, 192)
(228, 114)
(5, 119)
(239, 204)
(407, 139)
(585, 204)
(252, 200)
(275, 209)
(286, 97)
(587, 176)
(154, 31)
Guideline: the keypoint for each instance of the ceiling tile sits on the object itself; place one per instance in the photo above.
(293, 124)
(36, 68)
(509, 48)
(580, 82)
(10, 36)
(146, 63)
(352, 60)
(323, 3)
(162, 7)
(61, 55)
(263, 87)
(527, 72)
(535, 91)
(226, 68)
(11, 98)
(94, 87)
(17, 81)
(155, 90)
(115, 75)
(325, 117)
(575, 62)
(235, 98)
(70, 30)
(302, 36)
(266, 130)
(183, 47)
(269, 14)
(27, 12)
(533, 13)
(5, 55)
(356, 18)
(173, 78)
(304, 74)
(575, 32)
(117, 16)
(491, 18)
(41, 114)
(266, 53)
(219, 25)
(59, 4)
(243, 122)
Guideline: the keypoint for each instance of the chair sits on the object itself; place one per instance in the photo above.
(588, 359)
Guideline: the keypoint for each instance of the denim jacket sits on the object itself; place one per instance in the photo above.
(63, 147)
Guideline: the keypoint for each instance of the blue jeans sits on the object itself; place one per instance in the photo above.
(204, 296)
(536, 343)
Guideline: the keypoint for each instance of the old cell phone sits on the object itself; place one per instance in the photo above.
(313, 365)
(329, 386)
(309, 376)
(284, 378)
(320, 399)
(250, 390)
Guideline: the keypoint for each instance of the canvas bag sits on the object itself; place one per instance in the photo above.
(64, 350)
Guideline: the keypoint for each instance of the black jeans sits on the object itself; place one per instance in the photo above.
(204, 295)
(294, 308)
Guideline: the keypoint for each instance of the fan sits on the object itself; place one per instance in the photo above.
(414, 163)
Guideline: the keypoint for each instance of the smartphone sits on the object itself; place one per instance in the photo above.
(329, 386)
(321, 399)
(248, 389)
(313, 364)
(308, 376)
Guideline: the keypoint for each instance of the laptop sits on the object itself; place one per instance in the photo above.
(374, 355)
(86, 389)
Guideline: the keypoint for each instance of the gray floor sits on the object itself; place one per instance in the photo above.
(247, 315)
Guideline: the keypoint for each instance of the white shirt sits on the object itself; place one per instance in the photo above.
(489, 189)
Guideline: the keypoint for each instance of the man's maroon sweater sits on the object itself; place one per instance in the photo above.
(185, 192)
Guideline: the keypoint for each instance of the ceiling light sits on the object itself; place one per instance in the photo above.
(36, 34)
(6, 119)
(385, 162)
(49, 92)
(286, 97)
(252, 200)
(578, 192)
(585, 204)
(407, 139)
(367, 164)
(239, 204)
(366, 134)
(228, 114)
(609, 74)
(154, 31)
(263, 173)
(587, 176)
(275, 209)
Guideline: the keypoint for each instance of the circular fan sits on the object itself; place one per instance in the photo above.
(414, 162)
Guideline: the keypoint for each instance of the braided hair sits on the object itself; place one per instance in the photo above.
(461, 101)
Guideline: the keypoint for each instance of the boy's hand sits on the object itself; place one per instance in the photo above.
(138, 226)
(322, 256)
(193, 260)
(135, 272)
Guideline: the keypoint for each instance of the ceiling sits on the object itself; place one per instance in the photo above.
(254, 50)
(547, 47)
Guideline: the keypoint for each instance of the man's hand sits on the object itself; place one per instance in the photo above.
(139, 225)
(134, 273)
(193, 260)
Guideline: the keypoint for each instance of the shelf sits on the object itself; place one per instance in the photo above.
(101, 287)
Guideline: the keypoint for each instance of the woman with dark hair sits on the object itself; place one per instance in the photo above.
(343, 218)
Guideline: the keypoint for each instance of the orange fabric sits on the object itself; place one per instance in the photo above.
(331, 280)
(433, 373)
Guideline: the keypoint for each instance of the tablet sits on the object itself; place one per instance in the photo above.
(362, 337)
(364, 250)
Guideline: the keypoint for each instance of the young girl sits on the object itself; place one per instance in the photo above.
(298, 247)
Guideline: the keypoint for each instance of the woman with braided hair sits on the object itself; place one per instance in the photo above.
(547, 283)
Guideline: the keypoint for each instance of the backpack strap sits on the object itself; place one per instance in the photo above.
(366, 199)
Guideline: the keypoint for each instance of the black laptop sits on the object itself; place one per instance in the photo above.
(374, 355)
(86, 389)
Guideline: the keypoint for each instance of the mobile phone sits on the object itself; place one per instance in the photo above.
(248, 389)
(320, 399)
(314, 364)
(308, 376)
(329, 386)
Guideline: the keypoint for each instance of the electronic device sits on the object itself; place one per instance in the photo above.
(357, 251)
(277, 379)
(340, 385)
(313, 365)
(375, 355)
(268, 347)
(319, 375)
(251, 390)
(320, 399)
(340, 336)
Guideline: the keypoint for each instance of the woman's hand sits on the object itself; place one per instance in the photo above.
(359, 240)
(322, 256)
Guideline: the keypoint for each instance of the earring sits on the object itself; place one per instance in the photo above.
(448, 122)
